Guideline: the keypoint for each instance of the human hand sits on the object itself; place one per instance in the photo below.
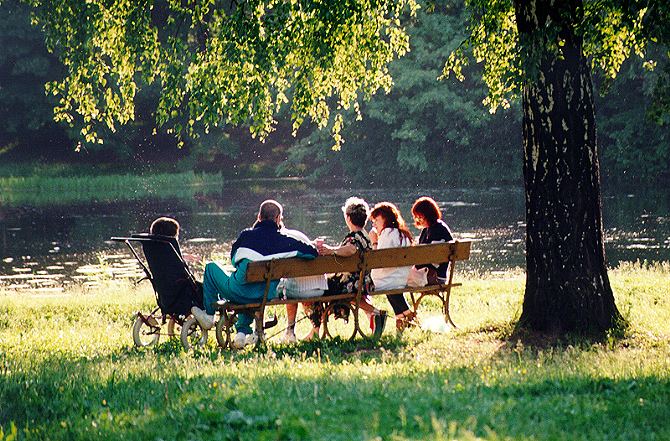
(374, 237)
(324, 249)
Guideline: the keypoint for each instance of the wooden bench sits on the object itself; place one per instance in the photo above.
(266, 271)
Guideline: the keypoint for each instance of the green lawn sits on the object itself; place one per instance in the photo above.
(68, 371)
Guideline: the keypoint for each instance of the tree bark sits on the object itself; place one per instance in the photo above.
(567, 287)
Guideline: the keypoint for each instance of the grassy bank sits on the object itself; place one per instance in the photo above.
(40, 190)
(68, 371)
(58, 184)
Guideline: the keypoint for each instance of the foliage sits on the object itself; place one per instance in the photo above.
(219, 62)
(612, 32)
(635, 147)
(26, 113)
(68, 371)
(395, 132)
(424, 131)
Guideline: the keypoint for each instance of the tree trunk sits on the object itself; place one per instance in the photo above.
(567, 287)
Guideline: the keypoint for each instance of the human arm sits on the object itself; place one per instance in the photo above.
(343, 250)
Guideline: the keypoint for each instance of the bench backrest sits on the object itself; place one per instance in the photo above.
(386, 258)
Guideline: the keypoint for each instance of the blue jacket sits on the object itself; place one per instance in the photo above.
(263, 242)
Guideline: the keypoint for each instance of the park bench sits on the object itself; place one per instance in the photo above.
(266, 271)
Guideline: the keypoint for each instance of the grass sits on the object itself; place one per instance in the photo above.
(68, 371)
(58, 184)
(48, 190)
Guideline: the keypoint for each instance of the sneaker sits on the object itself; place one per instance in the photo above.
(241, 340)
(205, 320)
(289, 337)
(250, 340)
(380, 323)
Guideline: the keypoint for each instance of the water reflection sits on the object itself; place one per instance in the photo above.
(49, 248)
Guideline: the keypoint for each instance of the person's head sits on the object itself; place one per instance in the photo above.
(270, 210)
(356, 211)
(387, 215)
(425, 212)
(165, 226)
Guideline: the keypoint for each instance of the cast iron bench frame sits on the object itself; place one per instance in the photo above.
(266, 271)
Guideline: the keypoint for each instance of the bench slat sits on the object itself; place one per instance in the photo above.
(386, 258)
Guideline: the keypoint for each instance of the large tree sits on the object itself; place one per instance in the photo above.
(543, 50)
(232, 62)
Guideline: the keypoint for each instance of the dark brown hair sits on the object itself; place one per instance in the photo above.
(428, 208)
(392, 218)
(357, 210)
(165, 226)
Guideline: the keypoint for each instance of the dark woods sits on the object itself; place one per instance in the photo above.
(400, 137)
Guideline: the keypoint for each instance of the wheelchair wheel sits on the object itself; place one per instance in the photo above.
(224, 329)
(145, 334)
(192, 335)
(339, 321)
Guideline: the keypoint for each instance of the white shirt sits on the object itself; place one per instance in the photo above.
(302, 287)
(391, 278)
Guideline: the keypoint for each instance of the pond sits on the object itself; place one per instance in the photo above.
(47, 248)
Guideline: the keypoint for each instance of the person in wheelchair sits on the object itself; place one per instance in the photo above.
(176, 287)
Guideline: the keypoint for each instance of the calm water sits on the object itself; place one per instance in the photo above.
(47, 248)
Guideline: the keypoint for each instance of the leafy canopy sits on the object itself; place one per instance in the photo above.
(421, 123)
(220, 63)
(611, 30)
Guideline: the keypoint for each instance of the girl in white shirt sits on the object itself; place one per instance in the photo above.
(389, 230)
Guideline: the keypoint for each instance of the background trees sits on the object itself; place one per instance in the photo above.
(419, 119)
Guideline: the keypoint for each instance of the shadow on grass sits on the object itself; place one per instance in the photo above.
(230, 396)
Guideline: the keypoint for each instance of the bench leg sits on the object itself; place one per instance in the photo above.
(260, 332)
(345, 328)
(224, 328)
(355, 309)
(416, 301)
(445, 306)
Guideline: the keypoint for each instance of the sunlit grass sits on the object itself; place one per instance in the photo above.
(42, 190)
(68, 371)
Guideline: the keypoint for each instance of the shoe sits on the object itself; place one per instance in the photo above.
(205, 320)
(250, 340)
(241, 340)
(406, 321)
(380, 323)
(289, 337)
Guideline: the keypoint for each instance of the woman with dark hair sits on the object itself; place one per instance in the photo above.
(428, 216)
(355, 212)
(391, 231)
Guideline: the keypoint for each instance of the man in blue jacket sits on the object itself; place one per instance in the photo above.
(264, 241)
